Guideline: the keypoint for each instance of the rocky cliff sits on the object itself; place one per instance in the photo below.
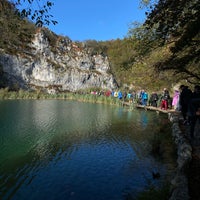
(63, 66)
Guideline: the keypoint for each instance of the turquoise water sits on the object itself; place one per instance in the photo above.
(54, 149)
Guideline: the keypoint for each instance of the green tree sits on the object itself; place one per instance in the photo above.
(178, 22)
(16, 34)
(35, 10)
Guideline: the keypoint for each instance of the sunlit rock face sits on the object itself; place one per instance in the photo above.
(64, 66)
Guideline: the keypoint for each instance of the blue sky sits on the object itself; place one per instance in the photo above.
(95, 19)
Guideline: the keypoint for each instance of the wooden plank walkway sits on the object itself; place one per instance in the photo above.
(157, 109)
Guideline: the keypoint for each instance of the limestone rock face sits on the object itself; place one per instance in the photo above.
(65, 66)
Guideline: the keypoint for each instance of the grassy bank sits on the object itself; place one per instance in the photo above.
(84, 97)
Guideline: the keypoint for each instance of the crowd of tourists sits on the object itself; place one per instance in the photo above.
(141, 97)
(155, 99)
(184, 99)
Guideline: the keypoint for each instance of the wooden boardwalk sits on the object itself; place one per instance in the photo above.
(157, 109)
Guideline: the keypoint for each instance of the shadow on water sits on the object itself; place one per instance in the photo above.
(162, 150)
(69, 150)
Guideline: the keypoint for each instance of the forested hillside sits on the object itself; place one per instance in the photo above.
(163, 51)
(160, 53)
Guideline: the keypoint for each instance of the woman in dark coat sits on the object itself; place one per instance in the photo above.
(184, 100)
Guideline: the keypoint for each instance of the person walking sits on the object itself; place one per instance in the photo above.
(164, 99)
(153, 99)
(144, 97)
(193, 109)
(175, 100)
(184, 99)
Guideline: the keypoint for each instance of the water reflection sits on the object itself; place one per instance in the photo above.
(70, 150)
(144, 119)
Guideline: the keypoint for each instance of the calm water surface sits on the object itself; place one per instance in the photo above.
(54, 149)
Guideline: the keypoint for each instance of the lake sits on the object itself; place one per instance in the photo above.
(57, 149)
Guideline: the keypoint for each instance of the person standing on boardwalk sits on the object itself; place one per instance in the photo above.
(144, 97)
(184, 100)
(175, 100)
(129, 96)
(193, 109)
(164, 99)
(153, 99)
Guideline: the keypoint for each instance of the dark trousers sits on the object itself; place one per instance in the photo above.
(184, 110)
(193, 120)
(154, 103)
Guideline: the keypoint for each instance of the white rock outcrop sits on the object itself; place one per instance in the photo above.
(65, 66)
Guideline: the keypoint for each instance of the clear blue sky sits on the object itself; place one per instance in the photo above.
(95, 19)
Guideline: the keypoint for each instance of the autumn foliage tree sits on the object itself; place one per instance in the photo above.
(178, 22)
